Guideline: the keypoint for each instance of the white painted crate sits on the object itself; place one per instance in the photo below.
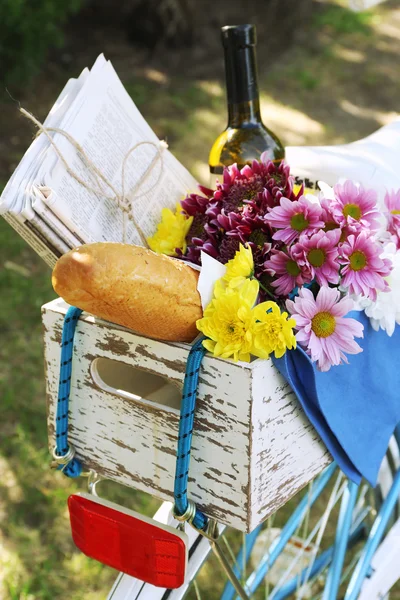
(252, 450)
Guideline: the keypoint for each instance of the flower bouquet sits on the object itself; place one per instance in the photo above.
(297, 262)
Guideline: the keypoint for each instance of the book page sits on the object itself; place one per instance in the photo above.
(39, 208)
(40, 245)
(106, 123)
(36, 224)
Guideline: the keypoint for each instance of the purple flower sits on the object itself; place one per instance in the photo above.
(319, 253)
(206, 191)
(323, 330)
(248, 226)
(238, 186)
(198, 228)
(194, 204)
(236, 212)
(263, 184)
(294, 218)
(227, 249)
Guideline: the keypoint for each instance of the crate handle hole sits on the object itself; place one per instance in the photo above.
(135, 384)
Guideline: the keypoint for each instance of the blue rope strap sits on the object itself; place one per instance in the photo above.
(74, 467)
(188, 404)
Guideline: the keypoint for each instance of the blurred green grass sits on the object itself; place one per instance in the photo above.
(339, 20)
(37, 557)
(303, 101)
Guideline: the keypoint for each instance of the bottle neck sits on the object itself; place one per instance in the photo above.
(242, 86)
(244, 113)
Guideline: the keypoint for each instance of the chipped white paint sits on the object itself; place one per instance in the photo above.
(252, 447)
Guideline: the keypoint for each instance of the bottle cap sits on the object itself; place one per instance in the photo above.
(239, 36)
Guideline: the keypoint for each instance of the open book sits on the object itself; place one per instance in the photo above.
(52, 210)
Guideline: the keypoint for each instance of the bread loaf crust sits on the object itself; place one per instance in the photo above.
(153, 294)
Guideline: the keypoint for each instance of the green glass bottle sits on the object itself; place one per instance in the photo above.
(246, 136)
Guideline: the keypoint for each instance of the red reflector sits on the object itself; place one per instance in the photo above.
(128, 541)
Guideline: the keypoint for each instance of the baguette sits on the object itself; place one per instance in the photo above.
(153, 294)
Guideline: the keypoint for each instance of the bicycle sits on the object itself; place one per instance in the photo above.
(313, 570)
(297, 559)
(321, 575)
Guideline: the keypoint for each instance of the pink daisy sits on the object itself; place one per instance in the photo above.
(392, 203)
(323, 330)
(319, 253)
(294, 218)
(291, 273)
(354, 207)
(363, 271)
(327, 215)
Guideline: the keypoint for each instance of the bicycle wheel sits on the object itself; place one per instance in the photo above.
(311, 547)
(312, 523)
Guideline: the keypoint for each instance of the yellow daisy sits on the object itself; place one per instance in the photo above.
(240, 267)
(273, 331)
(171, 232)
(228, 321)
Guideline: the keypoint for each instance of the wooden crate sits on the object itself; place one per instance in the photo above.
(253, 448)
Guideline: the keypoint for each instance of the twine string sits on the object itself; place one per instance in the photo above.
(124, 201)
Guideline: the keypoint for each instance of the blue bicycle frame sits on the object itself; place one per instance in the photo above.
(333, 558)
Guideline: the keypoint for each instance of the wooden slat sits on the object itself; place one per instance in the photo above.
(286, 450)
(252, 446)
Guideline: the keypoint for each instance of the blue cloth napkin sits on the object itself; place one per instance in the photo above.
(356, 407)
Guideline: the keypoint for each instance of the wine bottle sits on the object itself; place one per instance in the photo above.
(246, 136)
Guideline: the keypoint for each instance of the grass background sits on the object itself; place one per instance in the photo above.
(338, 83)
